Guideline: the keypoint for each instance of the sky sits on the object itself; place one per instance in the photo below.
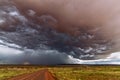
(24, 40)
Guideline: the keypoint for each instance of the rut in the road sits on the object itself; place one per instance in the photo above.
(39, 75)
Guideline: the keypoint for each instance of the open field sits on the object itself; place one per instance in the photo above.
(75, 72)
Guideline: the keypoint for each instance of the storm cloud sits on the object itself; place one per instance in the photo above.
(26, 37)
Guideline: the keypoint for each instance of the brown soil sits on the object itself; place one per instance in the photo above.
(39, 75)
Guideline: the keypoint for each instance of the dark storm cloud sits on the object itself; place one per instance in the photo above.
(14, 54)
(23, 39)
(48, 57)
(33, 56)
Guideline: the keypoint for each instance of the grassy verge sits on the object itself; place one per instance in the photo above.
(88, 73)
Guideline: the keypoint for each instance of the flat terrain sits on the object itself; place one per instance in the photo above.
(73, 72)
(38, 75)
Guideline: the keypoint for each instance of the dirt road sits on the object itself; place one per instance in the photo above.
(39, 75)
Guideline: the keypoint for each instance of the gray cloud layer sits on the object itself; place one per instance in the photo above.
(21, 42)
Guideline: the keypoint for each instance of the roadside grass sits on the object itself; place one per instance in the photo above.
(87, 73)
(8, 72)
(66, 72)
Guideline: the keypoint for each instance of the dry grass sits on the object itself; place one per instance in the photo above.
(66, 72)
